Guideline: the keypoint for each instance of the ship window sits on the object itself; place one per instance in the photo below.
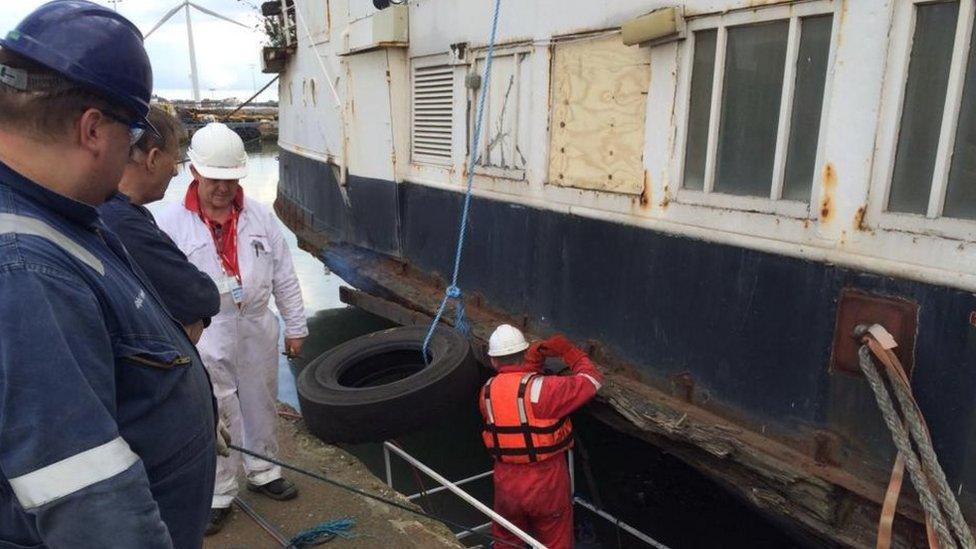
(432, 114)
(754, 66)
(701, 99)
(503, 144)
(935, 161)
(924, 178)
(755, 102)
(961, 189)
(808, 98)
(921, 119)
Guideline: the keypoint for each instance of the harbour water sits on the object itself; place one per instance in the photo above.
(645, 487)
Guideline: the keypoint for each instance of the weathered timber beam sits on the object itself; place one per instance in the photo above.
(381, 307)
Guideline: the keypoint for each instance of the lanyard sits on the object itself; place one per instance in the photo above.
(226, 243)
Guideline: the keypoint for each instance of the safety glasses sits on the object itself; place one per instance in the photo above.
(137, 128)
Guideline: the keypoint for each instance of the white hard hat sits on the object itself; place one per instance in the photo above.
(217, 152)
(506, 340)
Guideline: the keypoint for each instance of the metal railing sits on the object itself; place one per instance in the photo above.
(454, 487)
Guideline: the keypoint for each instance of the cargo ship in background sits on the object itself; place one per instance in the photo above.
(710, 194)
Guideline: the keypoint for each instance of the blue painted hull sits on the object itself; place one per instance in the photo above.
(752, 330)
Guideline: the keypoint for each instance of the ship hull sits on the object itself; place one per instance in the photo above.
(734, 341)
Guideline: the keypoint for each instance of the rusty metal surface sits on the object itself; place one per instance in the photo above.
(898, 316)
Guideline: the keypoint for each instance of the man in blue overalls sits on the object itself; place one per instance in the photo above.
(106, 412)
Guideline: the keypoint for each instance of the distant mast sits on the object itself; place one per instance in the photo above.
(194, 78)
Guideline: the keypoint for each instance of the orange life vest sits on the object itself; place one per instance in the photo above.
(512, 433)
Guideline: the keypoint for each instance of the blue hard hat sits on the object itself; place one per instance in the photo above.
(90, 45)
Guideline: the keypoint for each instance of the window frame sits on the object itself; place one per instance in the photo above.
(889, 122)
(772, 204)
(522, 54)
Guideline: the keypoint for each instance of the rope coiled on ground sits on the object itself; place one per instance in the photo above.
(323, 533)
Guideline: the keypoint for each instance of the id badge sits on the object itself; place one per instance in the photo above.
(230, 285)
(237, 293)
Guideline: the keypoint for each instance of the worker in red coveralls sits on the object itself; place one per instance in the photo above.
(528, 432)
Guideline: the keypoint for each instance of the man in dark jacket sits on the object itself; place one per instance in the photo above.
(107, 422)
(189, 294)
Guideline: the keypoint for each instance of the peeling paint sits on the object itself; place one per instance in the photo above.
(666, 200)
(754, 5)
(827, 193)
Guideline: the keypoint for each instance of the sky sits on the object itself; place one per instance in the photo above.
(228, 56)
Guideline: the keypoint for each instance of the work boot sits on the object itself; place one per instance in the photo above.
(218, 518)
(279, 489)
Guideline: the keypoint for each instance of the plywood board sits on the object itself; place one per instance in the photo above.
(599, 95)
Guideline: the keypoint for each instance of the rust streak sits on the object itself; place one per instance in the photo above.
(645, 196)
(827, 193)
(666, 200)
(859, 219)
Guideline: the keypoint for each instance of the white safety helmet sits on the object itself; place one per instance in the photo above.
(506, 340)
(217, 152)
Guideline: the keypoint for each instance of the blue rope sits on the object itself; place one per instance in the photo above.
(318, 534)
(453, 291)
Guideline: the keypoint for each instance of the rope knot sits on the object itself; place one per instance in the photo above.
(453, 291)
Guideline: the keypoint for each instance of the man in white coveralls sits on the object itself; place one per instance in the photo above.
(239, 243)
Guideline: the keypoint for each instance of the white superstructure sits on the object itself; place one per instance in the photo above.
(844, 214)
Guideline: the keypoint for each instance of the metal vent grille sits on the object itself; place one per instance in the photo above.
(433, 107)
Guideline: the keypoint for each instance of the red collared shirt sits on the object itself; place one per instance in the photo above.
(225, 234)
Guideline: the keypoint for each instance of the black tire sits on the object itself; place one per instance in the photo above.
(376, 387)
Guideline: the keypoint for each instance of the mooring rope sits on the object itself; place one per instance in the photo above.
(902, 442)
(923, 466)
(918, 431)
(453, 291)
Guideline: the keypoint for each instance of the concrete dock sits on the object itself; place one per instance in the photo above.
(377, 524)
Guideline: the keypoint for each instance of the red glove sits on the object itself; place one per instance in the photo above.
(557, 345)
(534, 356)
